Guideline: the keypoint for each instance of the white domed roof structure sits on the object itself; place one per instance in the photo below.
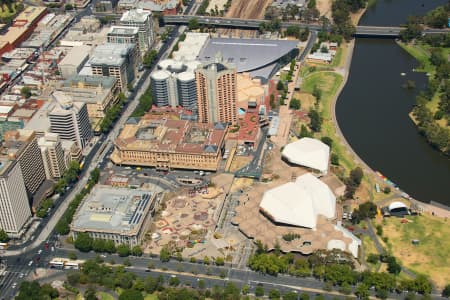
(308, 152)
(397, 205)
(298, 203)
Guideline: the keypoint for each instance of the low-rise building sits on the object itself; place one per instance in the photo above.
(170, 144)
(98, 92)
(116, 214)
(74, 61)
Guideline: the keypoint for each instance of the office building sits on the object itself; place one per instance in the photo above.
(22, 146)
(117, 214)
(98, 92)
(52, 155)
(170, 144)
(143, 20)
(70, 120)
(216, 92)
(74, 61)
(14, 208)
(124, 35)
(116, 60)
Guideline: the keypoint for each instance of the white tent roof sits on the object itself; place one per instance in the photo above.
(298, 203)
(308, 152)
(396, 204)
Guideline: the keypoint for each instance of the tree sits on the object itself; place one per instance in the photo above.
(373, 258)
(178, 256)
(174, 281)
(206, 260)
(201, 284)
(327, 140)
(304, 132)
(3, 236)
(72, 255)
(136, 251)
(110, 247)
(245, 289)
(437, 18)
(193, 24)
(259, 291)
(83, 242)
(362, 291)
(316, 120)
(73, 278)
(317, 93)
(280, 85)
(26, 92)
(274, 294)
(89, 294)
(220, 261)
(295, 104)
(164, 254)
(272, 103)
(231, 291)
(290, 296)
(149, 57)
(413, 30)
(131, 294)
(345, 289)
(123, 250)
(387, 190)
(334, 159)
(304, 296)
(446, 291)
(356, 176)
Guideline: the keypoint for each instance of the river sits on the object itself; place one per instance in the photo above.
(372, 110)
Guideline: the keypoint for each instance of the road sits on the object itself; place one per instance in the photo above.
(375, 31)
(189, 273)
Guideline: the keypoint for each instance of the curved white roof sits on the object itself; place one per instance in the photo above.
(396, 204)
(160, 75)
(186, 76)
(308, 152)
(298, 203)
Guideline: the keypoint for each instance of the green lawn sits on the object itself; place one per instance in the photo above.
(329, 83)
(151, 297)
(337, 60)
(5, 12)
(104, 296)
(420, 53)
(432, 255)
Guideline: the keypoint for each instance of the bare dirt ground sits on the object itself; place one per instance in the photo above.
(324, 7)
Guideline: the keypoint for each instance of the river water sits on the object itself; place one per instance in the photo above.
(373, 108)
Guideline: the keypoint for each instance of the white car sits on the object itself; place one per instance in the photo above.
(14, 285)
(30, 263)
(40, 251)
